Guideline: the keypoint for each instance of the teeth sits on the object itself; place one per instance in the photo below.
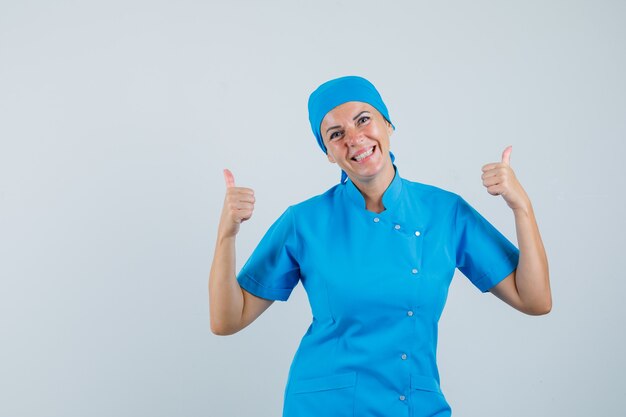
(364, 154)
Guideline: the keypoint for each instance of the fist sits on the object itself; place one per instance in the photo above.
(238, 206)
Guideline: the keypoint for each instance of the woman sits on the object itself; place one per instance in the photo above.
(376, 254)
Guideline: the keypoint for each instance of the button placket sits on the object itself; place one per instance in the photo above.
(415, 270)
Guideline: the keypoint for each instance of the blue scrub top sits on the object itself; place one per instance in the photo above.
(377, 284)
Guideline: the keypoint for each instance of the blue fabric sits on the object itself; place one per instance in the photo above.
(377, 284)
(338, 91)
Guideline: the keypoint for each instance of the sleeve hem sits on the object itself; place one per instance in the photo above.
(254, 287)
(494, 277)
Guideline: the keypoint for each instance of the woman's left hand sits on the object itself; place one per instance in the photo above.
(499, 179)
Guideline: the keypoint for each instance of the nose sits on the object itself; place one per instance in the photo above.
(353, 137)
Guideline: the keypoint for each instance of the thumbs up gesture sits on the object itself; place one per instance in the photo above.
(238, 206)
(499, 179)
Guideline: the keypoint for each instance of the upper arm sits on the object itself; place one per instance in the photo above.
(272, 271)
(484, 254)
(253, 307)
(506, 290)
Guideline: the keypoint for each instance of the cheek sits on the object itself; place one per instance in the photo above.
(330, 151)
(373, 129)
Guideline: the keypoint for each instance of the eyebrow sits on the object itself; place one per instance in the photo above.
(354, 118)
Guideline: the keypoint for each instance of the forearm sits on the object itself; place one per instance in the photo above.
(225, 295)
(532, 276)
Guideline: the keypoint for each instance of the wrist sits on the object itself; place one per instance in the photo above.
(524, 209)
(225, 237)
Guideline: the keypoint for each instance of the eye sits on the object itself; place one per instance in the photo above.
(332, 135)
(364, 119)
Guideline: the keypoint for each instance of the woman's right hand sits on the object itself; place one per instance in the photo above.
(238, 206)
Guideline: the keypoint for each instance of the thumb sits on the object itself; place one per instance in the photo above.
(506, 155)
(229, 178)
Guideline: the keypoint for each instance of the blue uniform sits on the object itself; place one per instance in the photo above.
(377, 284)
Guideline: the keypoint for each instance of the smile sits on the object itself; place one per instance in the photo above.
(364, 155)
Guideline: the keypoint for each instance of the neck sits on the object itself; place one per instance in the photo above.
(373, 189)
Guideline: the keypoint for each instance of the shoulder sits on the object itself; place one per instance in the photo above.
(430, 194)
(318, 202)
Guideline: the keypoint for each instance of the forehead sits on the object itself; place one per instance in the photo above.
(345, 112)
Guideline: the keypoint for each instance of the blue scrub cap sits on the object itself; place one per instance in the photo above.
(338, 91)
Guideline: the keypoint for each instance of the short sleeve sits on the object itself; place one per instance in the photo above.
(483, 254)
(272, 271)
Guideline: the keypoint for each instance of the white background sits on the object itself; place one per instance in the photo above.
(117, 117)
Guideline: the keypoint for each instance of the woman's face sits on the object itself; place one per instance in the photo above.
(356, 136)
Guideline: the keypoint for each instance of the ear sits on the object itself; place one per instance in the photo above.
(389, 128)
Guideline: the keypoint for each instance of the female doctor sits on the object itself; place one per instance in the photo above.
(375, 254)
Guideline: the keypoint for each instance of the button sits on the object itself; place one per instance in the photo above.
(402, 398)
(414, 270)
(397, 227)
(376, 219)
(417, 233)
(403, 356)
(409, 313)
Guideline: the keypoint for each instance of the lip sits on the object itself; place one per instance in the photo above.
(361, 151)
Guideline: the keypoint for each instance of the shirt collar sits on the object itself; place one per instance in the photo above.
(390, 196)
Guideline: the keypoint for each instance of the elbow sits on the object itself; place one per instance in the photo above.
(540, 310)
(219, 329)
